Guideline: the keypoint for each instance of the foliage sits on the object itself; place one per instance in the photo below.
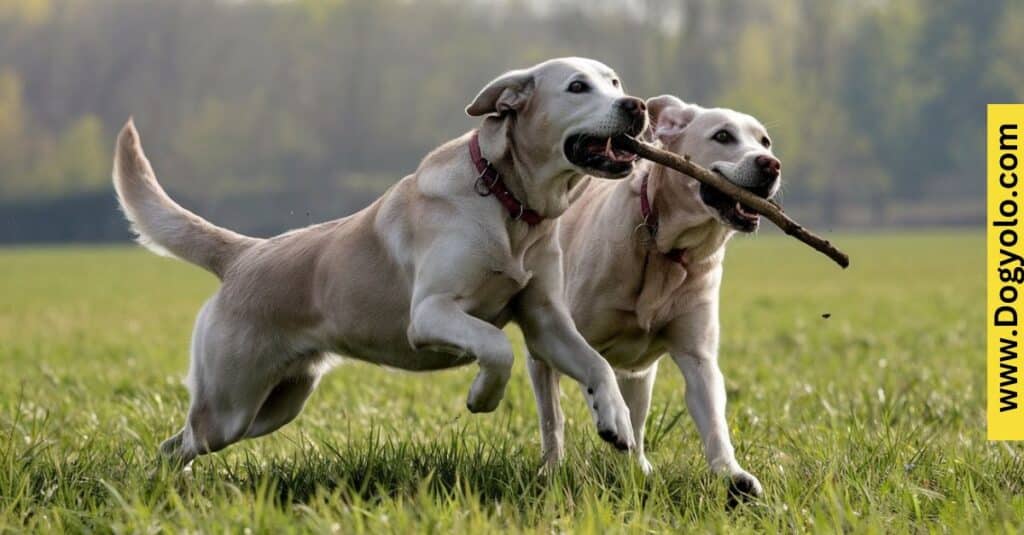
(870, 103)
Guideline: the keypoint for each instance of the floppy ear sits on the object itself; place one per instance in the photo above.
(669, 117)
(508, 92)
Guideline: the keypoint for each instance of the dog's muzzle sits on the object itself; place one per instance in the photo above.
(763, 181)
(601, 154)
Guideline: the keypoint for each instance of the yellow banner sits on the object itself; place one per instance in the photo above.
(1005, 271)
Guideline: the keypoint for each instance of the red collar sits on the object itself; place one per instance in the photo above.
(651, 222)
(489, 182)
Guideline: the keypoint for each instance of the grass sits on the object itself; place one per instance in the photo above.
(871, 420)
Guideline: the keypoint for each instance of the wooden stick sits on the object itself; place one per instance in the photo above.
(749, 200)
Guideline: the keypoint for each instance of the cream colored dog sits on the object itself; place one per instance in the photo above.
(423, 279)
(642, 276)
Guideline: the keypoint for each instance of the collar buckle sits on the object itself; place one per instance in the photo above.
(488, 182)
(481, 186)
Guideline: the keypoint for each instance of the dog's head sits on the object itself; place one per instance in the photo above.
(730, 143)
(566, 112)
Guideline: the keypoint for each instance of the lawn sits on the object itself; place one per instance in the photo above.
(868, 420)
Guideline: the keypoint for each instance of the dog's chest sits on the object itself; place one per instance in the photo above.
(632, 348)
(631, 329)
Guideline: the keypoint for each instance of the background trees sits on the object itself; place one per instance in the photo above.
(267, 115)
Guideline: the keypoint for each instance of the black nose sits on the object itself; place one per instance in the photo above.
(633, 106)
(769, 166)
(636, 110)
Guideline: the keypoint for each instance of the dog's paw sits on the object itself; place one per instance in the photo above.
(169, 448)
(743, 487)
(478, 405)
(645, 465)
(485, 394)
(550, 463)
(611, 416)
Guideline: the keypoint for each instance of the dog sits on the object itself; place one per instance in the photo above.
(423, 279)
(642, 261)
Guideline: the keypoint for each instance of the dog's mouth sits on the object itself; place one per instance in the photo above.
(733, 213)
(599, 155)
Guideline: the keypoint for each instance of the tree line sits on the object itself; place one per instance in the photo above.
(270, 114)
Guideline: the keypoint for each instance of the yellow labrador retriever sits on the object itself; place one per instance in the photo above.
(643, 265)
(422, 279)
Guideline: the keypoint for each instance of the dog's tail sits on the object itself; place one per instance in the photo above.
(161, 225)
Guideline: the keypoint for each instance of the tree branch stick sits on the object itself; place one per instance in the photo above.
(749, 200)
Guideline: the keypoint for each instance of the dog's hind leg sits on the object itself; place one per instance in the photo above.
(636, 389)
(233, 370)
(549, 411)
(284, 403)
(173, 449)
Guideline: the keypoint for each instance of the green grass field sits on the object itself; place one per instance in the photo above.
(871, 420)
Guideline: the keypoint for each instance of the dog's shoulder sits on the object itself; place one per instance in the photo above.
(436, 200)
(447, 171)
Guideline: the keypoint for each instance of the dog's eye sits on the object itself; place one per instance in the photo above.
(578, 87)
(723, 136)
(766, 142)
(615, 82)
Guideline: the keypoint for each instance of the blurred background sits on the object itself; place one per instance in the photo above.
(267, 115)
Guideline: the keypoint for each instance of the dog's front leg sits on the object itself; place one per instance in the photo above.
(694, 347)
(439, 324)
(552, 337)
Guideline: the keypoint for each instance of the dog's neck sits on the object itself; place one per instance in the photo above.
(541, 187)
(683, 221)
